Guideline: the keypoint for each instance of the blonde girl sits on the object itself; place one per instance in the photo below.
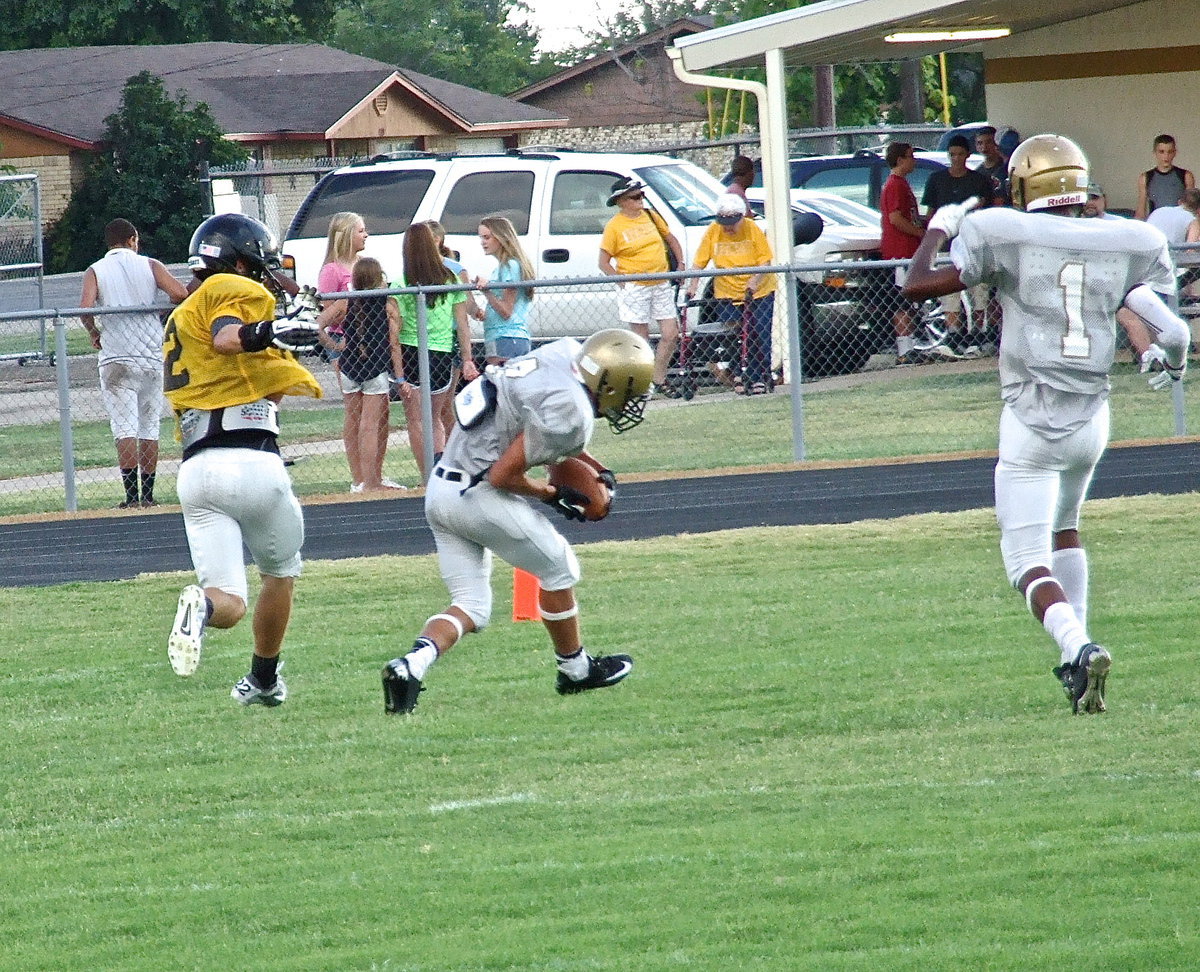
(505, 324)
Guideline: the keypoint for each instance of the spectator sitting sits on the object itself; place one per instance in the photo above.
(1096, 206)
(733, 240)
(1174, 221)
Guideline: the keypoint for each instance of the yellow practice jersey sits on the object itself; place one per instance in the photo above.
(195, 375)
(638, 244)
(746, 246)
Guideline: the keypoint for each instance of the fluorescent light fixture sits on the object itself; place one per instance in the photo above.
(948, 35)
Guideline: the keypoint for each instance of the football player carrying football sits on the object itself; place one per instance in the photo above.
(530, 411)
(1063, 283)
(225, 370)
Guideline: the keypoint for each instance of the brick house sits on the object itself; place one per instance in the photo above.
(282, 101)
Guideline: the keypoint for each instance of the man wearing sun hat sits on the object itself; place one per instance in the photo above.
(636, 240)
(732, 241)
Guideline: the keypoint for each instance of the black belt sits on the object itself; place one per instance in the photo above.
(450, 475)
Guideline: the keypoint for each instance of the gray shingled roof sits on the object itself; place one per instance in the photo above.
(250, 88)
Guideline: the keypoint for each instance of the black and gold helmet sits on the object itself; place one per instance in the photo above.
(1047, 171)
(618, 368)
(220, 241)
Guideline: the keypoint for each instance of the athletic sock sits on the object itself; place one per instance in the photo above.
(147, 487)
(262, 670)
(1070, 569)
(575, 666)
(1063, 626)
(129, 479)
(422, 654)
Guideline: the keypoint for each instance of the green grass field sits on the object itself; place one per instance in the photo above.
(841, 748)
(918, 412)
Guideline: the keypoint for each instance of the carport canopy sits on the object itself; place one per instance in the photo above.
(853, 31)
(838, 32)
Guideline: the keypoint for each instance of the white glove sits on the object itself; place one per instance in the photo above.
(949, 218)
(1154, 361)
(296, 334)
(302, 306)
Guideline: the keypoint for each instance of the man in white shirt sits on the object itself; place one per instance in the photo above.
(130, 347)
(1175, 220)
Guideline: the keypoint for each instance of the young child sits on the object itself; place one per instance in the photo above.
(369, 349)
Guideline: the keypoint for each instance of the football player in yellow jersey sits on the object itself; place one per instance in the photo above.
(224, 371)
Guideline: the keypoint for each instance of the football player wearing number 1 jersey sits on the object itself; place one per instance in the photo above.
(1064, 284)
(225, 368)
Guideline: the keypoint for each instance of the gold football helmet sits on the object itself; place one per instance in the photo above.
(617, 366)
(1047, 171)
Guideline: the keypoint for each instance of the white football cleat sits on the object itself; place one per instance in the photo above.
(187, 634)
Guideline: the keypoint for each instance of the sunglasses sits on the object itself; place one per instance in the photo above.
(635, 195)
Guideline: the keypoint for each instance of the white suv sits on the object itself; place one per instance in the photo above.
(556, 200)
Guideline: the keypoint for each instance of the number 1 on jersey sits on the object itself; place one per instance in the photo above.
(1075, 343)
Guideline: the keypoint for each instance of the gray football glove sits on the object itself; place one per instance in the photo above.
(949, 218)
(1154, 361)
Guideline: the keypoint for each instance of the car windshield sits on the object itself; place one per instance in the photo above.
(840, 212)
(690, 192)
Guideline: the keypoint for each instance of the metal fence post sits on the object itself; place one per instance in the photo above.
(795, 367)
(62, 372)
(426, 388)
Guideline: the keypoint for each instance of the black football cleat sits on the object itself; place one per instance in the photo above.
(1083, 679)
(400, 689)
(602, 672)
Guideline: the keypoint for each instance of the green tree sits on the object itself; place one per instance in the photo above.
(86, 23)
(147, 173)
(470, 42)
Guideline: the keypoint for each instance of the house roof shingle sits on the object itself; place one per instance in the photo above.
(250, 88)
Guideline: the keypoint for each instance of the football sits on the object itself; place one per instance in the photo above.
(578, 474)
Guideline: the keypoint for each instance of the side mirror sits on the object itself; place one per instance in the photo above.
(806, 227)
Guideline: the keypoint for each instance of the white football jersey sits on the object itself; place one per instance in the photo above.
(124, 278)
(541, 394)
(1060, 281)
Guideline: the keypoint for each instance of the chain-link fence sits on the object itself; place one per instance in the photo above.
(21, 258)
(855, 400)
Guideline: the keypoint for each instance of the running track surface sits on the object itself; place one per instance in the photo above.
(120, 547)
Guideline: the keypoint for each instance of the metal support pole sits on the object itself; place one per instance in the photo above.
(776, 180)
(426, 386)
(62, 372)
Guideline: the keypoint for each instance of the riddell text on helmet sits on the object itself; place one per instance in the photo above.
(1063, 200)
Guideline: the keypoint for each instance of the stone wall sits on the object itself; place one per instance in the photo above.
(656, 138)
